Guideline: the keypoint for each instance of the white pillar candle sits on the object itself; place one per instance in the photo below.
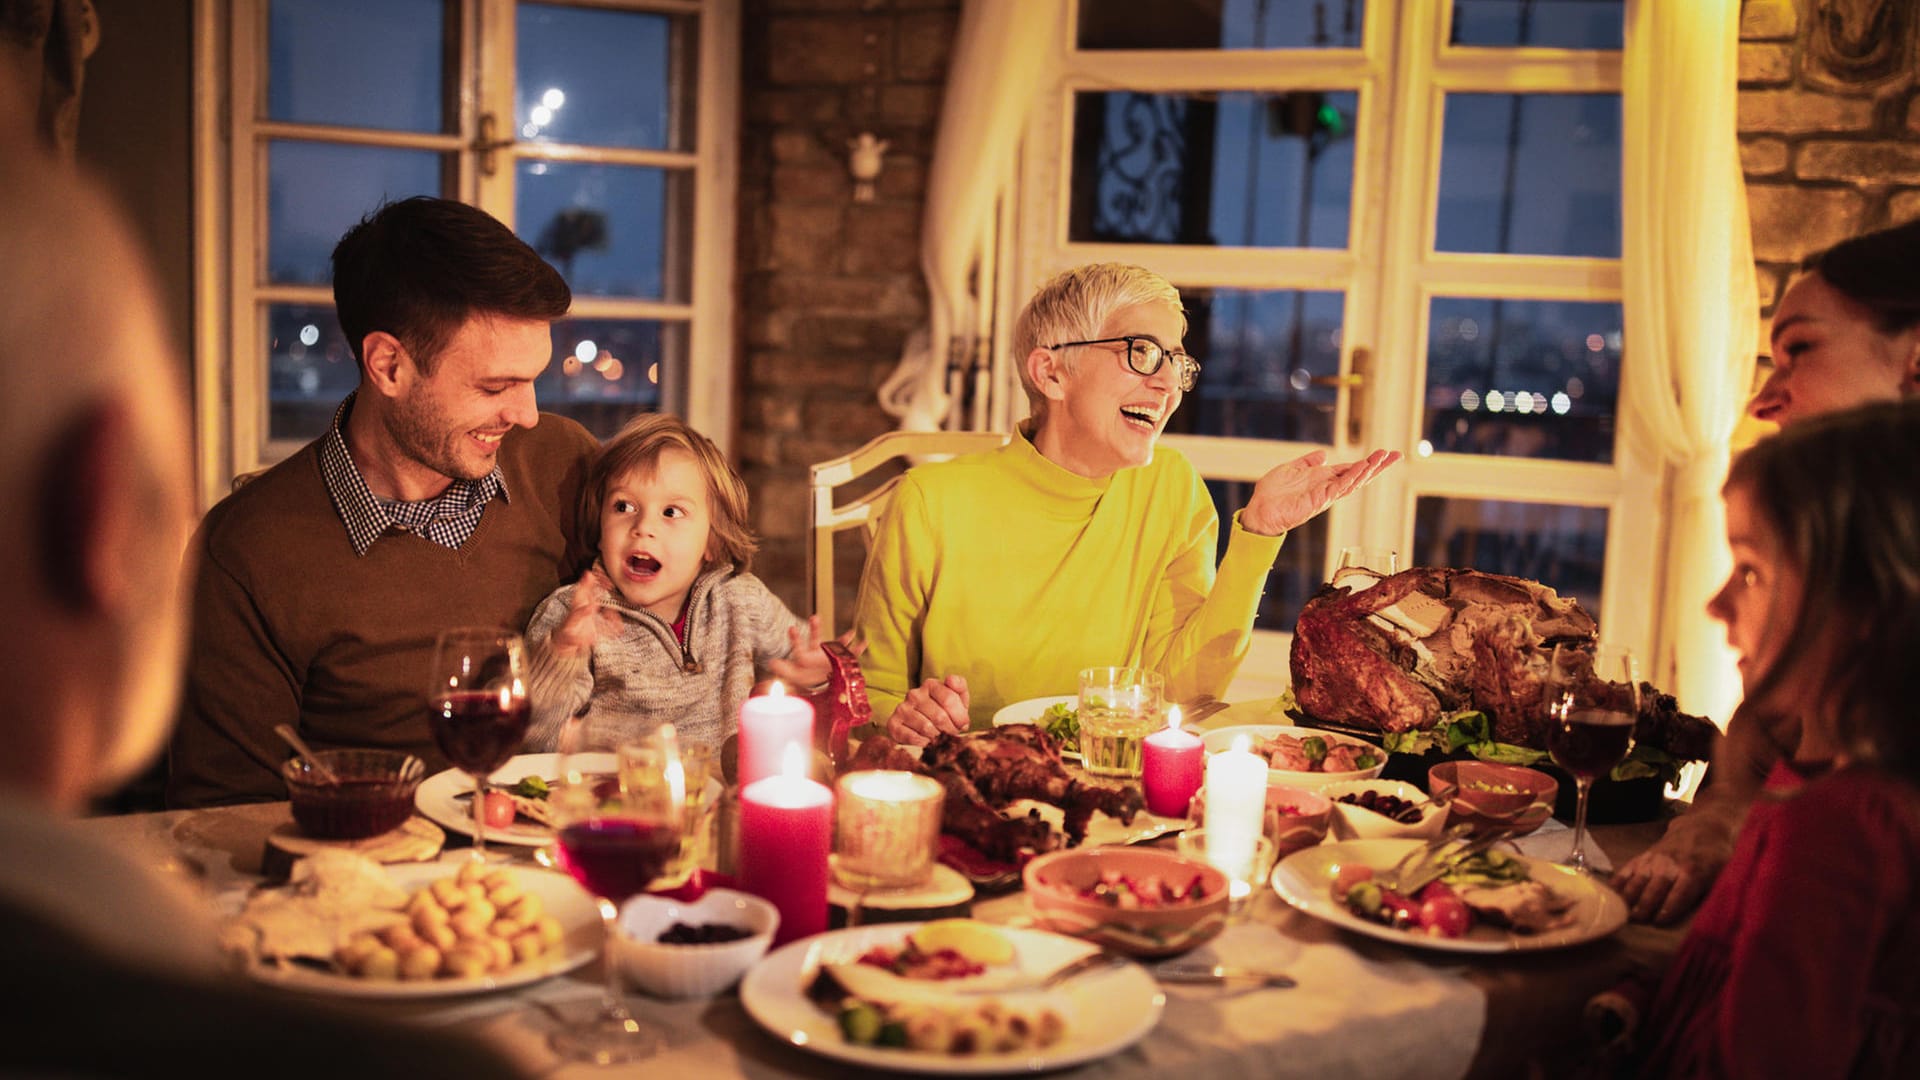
(768, 725)
(1236, 803)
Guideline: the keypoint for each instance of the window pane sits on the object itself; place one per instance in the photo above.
(1221, 24)
(358, 63)
(1561, 546)
(602, 78)
(607, 228)
(1560, 24)
(310, 368)
(606, 371)
(1299, 571)
(1228, 169)
(1259, 352)
(317, 191)
(1523, 378)
(1531, 174)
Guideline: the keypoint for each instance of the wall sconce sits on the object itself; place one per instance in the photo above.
(865, 156)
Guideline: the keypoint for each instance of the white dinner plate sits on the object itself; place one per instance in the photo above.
(1030, 711)
(1221, 738)
(1105, 1011)
(563, 899)
(1305, 880)
(438, 798)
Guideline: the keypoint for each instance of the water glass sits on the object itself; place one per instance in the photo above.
(1119, 707)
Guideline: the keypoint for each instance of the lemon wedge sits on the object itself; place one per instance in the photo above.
(976, 941)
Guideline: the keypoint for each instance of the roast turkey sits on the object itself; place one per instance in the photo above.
(1400, 653)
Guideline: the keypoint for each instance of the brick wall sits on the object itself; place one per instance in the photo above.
(1829, 124)
(830, 287)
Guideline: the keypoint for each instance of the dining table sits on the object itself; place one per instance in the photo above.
(1360, 1007)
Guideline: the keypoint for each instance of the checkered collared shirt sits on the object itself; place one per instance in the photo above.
(447, 519)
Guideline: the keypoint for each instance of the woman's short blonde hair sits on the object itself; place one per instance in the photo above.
(1075, 304)
(639, 446)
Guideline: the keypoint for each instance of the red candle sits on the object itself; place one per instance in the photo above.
(768, 725)
(1171, 766)
(786, 831)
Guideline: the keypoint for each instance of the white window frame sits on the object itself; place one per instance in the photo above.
(230, 191)
(1401, 72)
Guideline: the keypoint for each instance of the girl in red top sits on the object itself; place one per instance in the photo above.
(1804, 960)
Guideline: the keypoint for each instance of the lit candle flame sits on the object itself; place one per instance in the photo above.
(793, 762)
(1173, 718)
(777, 689)
(675, 770)
(1243, 744)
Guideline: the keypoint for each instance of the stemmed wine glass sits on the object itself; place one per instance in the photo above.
(621, 821)
(477, 707)
(1593, 701)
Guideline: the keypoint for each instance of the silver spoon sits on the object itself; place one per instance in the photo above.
(285, 731)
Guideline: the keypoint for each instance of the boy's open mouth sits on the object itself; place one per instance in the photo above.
(642, 565)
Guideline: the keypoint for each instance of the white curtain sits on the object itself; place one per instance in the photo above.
(1000, 58)
(1690, 310)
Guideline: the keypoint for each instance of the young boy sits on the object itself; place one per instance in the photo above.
(666, 624)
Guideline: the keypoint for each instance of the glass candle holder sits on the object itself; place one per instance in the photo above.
(886, 829)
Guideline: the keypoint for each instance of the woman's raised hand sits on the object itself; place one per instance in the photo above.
(1289, 495)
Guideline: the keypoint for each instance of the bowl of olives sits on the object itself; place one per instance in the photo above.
(1383, 809)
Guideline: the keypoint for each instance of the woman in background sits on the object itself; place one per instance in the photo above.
(1847, 333)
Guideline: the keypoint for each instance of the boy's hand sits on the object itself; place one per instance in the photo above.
(588, 620)
(805, 666)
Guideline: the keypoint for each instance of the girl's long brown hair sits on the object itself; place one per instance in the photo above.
(1842, 497)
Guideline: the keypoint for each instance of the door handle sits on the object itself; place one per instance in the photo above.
(1355, 383)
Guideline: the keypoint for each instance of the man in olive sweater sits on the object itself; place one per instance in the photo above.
(433, 501)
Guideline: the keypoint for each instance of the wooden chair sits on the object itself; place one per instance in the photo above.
(830, 518)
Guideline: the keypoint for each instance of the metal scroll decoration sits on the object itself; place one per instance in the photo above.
(1141, 166)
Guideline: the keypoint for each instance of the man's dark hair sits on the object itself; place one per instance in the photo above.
(420, 267)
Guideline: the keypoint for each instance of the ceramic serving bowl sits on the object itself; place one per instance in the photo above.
(1056, 884)
(1493, 799)
(688, 971)
(1354, 822)
(374, 795)
(1222, 739)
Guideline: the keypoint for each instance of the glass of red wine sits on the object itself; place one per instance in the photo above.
(477, 707)
(1593, 703)
(621, 821)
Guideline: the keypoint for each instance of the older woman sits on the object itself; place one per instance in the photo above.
(997, 576)
(1846, 334)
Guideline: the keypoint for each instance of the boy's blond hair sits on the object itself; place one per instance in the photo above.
(639, 446)
(1075, 304)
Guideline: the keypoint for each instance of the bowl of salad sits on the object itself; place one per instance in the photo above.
(1137, 901)
(1302, 757)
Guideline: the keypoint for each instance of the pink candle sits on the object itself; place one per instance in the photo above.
(1171, 765)
(768, 725)
(786, 831)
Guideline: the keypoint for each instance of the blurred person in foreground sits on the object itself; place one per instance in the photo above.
(998, 576)
(1804, 959)
(111, 967)
(1845, 334)
(438, 497)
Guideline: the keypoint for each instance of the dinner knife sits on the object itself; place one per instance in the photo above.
(1221, 974)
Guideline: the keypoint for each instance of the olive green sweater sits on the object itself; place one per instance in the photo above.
(290, 626)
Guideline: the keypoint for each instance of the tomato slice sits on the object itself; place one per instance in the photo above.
(498, 811)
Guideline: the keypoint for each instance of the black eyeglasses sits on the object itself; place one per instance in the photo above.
(1145, 356)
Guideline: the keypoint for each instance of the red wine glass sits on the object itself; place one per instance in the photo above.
(477, 707)
(621, 821)
(1593, 702)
